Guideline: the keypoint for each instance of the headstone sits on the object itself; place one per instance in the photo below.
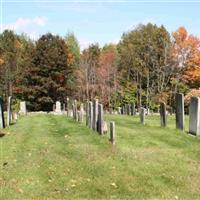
(179, 102)
(194, 116)
(15, 116)
(81, 113)
(67, 106)
(105, 127)
(58, 107)
(119, 111)
(112, 132)
(133, 109)
(100, 119)
(54, 107)
(23, 108)
(90, 115)
(87, 113)
(142, 115)
(129, 109)
(95, 114)
(163, 114)
(78, 116)
(75, 110)
(2, 121)
(9, 111)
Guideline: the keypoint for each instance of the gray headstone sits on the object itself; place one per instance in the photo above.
(95, 114)
(58, 107)
(142, 115)
(67, 106)
(2, 121)
(163, 114)
(112, 132)
(54, 107)
(90, 115)
(179, 102)
(133, 112)
(194, 116)
(75, 110)
(87, 113)
(119, 111)
(23, 108)
(81, 112)
(9, 111)
(100, 119)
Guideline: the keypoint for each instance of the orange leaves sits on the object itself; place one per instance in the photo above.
(186, 50)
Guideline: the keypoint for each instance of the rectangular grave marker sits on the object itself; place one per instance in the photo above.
(179, 102)
(2, 121)
(194, 116)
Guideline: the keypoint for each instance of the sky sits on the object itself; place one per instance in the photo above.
(96, 21)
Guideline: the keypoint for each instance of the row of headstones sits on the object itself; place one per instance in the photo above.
(10, 114)
(94, 117)
(194, 114)
(127, 109)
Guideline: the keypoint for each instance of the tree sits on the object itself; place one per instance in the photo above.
(145, 60)
(47, 79)
(186, 52)
(9, 48)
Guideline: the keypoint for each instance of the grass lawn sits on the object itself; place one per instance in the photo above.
(53, 157)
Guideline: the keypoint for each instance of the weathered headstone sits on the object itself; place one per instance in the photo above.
(81, 112)
(105, 127)
(58, 107)
(112, 132)
(90, 121)
(2, 121)
(23, 108)
(87, 113)
(163, 114)
(75, 110)
(95, 114)
(133, 109)
(78, 116)
(67, 106)
(179, 102)
(9, 111)
(142, 115)
(100, 119)
(119, 111)
(54, 107)
(194, 116)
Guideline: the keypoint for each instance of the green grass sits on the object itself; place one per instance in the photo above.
(53, 157)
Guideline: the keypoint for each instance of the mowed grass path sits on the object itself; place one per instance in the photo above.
(53, 157)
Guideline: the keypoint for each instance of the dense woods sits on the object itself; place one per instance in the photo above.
(147, 66)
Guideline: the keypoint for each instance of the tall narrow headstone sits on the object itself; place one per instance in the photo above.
(90, 115)
(67, 106)
(75, 110)
(119, 111)
(23, 108)
(194, 118)
(128, 109)
(2, 121)
(54, 107)
(87, 113)
(81, 112)
(179, 102)
(163, 114)
(112, 132)
(142, 115)
(100, 119)
(9, 111)
(95, 114)
(58, 107)
(133, 109)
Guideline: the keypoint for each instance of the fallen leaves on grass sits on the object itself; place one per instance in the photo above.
(113, 185)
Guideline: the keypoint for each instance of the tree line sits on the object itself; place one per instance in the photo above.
(147, 66)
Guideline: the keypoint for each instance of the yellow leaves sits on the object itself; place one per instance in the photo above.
(113, 185)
